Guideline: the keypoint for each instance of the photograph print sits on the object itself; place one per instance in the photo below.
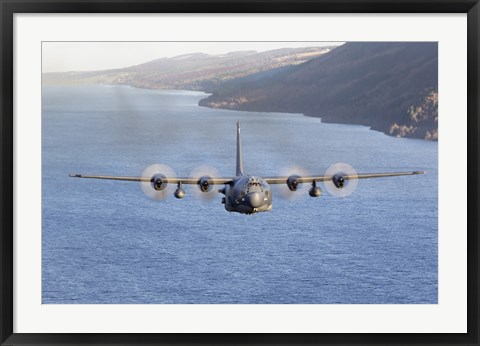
(240, 173)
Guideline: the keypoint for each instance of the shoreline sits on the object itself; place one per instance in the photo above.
(323, 121)
(206, 95)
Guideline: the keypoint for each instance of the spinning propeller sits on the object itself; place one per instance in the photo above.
(154, 182)
(205, 176)
(293, 189)
(343, 180)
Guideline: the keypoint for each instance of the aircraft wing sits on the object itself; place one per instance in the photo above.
(172, 180)
(320, 178)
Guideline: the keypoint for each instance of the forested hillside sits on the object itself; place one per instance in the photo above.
(392, 87)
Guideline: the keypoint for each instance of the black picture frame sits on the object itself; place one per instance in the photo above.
(9, 7)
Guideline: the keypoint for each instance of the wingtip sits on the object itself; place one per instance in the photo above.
(75, 175)
(420, 172)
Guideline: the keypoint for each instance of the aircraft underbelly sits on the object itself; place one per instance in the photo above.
(243, 208)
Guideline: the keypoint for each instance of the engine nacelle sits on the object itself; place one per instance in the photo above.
(338, 181)
(205, 183)
(292, 182)
(159, 182)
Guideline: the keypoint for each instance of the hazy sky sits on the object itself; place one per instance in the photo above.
(88, 56)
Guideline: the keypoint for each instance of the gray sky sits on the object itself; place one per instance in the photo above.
(89, 56)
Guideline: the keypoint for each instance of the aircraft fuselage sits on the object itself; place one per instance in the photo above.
(247, 195)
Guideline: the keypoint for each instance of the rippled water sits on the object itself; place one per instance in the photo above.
(105, 242)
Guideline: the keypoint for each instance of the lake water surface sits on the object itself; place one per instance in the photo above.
(106, 242)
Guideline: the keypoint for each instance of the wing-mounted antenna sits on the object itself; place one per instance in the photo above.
(239, 152)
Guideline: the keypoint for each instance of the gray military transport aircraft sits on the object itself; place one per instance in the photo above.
(247, 194)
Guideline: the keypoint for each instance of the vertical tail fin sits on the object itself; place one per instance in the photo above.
(239, 152)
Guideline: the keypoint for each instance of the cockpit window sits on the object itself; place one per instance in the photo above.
(254, 184)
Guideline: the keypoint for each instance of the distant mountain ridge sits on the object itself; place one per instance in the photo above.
(391, 87)
(195, 71)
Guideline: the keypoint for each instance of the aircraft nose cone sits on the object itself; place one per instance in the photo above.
(255, 199)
